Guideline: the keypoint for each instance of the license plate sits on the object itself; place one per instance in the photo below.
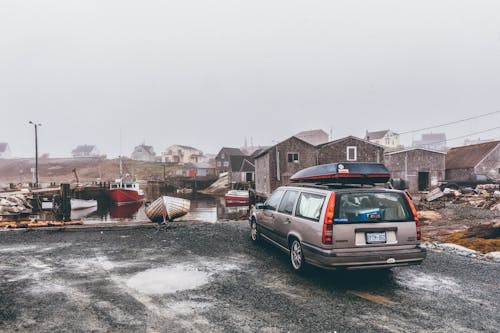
(375, 237)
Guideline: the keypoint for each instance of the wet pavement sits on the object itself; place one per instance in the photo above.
(209, 277)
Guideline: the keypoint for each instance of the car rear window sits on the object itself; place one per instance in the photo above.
(309, 206)
(372, 207)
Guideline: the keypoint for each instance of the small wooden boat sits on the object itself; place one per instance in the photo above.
(167, 208)
(237, 196)
(77, 204)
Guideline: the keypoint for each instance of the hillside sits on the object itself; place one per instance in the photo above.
(61, 170)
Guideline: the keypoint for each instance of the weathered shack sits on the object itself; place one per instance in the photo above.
(242, 169)
(223, 157)
(274, 166)
(421, 168)
(350, 149)
(462, 163)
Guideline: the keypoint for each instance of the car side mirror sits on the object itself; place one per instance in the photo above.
(259, 205)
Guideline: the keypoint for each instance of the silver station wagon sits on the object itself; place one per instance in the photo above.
(336, 216)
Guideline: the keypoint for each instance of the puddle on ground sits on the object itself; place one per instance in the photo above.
(167, 280)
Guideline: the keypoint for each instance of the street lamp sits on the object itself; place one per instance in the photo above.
(36, 150)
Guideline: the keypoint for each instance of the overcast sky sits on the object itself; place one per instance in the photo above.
(208, 73)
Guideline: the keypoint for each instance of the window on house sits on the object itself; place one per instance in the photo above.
(352, 153)
(226, 164)
(219, 163)
(293, 157)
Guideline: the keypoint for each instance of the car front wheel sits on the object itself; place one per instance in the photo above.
(296, 256)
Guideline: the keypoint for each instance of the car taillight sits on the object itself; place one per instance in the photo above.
(415, 216)
(328, 223)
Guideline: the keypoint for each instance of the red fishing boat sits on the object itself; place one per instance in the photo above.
(124, 192)
(237, 196)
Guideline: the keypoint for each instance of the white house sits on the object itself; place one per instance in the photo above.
(386, 138)
(182, 154)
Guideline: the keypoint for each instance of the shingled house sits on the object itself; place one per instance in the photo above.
(144, 153)
(275, 165)
(480, 159)
(350, 149)
(222, 160)
(242, 169)
(422, 168)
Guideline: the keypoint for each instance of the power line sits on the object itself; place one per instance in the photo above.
(456, 138)
(451, 123)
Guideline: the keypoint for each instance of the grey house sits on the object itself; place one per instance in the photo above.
(223, 157)
(422, 168)
(350, 149)
(143, 153)
(480, 159)
(275, 165)
(242, 169)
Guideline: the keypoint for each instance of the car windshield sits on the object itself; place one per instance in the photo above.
(372, 207)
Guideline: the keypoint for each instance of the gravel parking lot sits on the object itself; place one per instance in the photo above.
(209, 277)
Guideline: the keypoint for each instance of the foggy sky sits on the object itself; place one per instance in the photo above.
(208, 73)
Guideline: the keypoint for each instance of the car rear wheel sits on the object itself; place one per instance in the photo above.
(296, 256)
(254, 234)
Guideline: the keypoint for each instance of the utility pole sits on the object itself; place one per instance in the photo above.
(36, 151)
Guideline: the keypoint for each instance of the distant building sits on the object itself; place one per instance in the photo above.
(386, 138)
(434, 141)
(314, 137)
(468, 142)
(222, 160)
(482, 159)
(421, 168)
(242, 169)
(85, 151)
(144, 153)
(182, 154)
(5, 150)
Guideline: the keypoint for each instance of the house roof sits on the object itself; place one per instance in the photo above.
(231, 151)
(3, 146)
(313, 136)
(468, 156)
(240, 163)
(265, 151)
(376, 135)
(414, 148)
(347, 138)
(83, 149)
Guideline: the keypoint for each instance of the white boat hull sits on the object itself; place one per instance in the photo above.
(167, 208)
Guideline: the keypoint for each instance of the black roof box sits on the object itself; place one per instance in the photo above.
(344, 173)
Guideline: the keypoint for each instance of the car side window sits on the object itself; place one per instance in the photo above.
(273, 201)
(288, 201)
(309, 206)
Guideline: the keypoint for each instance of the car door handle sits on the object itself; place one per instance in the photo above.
(287, 220)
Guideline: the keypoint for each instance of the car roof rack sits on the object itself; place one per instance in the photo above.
(344, 173)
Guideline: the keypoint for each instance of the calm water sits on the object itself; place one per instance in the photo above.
(203, 209)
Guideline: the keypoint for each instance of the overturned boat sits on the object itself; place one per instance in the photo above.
(167, 208)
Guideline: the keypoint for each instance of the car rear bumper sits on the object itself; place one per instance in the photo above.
(330, 259)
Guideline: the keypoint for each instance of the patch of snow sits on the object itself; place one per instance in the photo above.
(494, 256)
(428, 282)
(457, 249)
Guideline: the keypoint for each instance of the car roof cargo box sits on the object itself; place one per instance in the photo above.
(344, 173)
